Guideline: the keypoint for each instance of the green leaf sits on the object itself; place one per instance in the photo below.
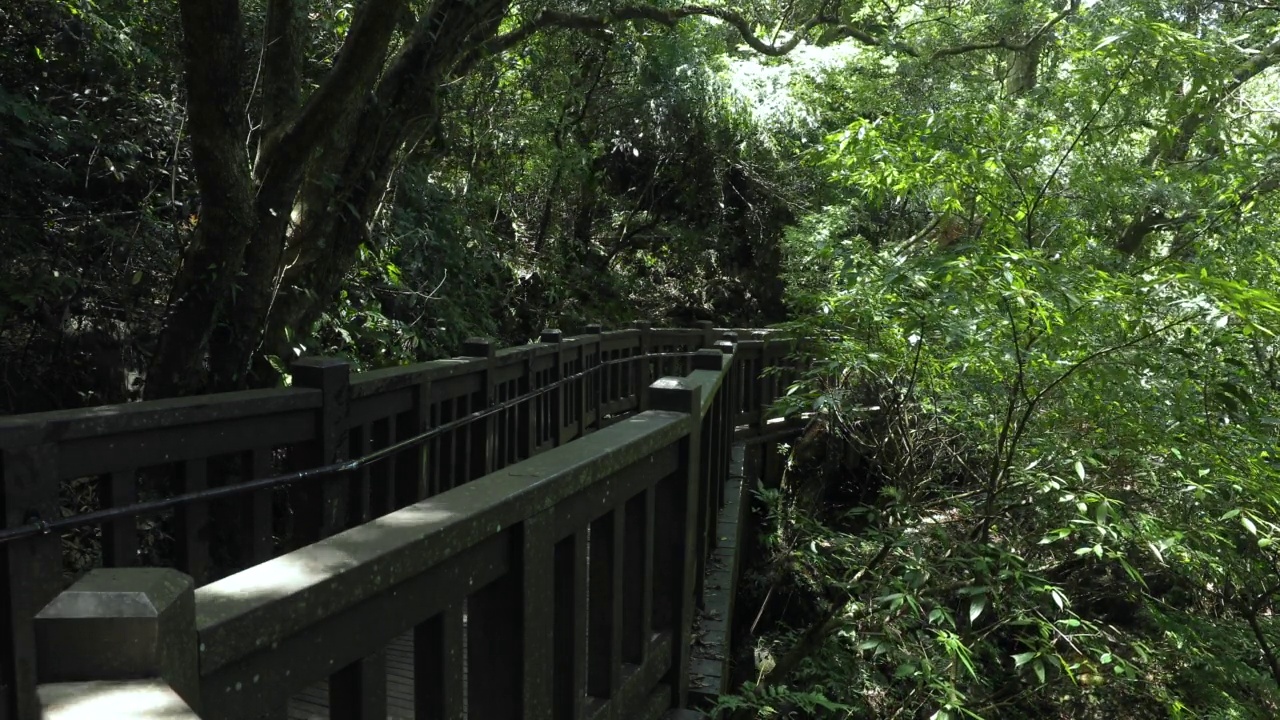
(1107, 41)
(976, 606)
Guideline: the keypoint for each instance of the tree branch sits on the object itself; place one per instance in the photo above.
(639, 13)
(1156, 219)
(645, 13)
(1152, 219)
(281, 70)
(356, 67)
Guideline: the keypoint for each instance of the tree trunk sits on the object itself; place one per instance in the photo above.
(1024, 67)
(214, 56)
(276, 236)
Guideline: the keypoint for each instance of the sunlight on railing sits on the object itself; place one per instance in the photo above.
(136, 700)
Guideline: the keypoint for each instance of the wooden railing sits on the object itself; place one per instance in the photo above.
(298, 564)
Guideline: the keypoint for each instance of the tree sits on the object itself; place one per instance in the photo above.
(282, 216)
(1052, 489)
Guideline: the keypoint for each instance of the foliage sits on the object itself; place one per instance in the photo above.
(555, 188)
(1056, 306)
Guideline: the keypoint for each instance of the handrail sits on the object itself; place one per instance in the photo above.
(43, 527)
(430, 430)
(511, 545)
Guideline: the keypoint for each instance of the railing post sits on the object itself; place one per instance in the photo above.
(643, 374)
(741, 371)
(677, 532)
(708, 329)
(559, 404)
(123, 624)
(324, 508)
(711, 475)
(481, 432)
(32, 569)
(768, 380)
(360, 684)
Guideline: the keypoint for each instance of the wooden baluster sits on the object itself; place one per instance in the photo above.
(412, 473)
(495, 616)
(191, 533)
(360, 486)
(382, 474)
(527, 412)
(637, 589)
(258, 510)
(500, 428)
(559, 403)
(616, 376)
(580, 391)
(438, 663)
(480, 440)
(449, 451)
(539, 615)
(569, 663)
(542, 412)
(512, 417)
(359, 690)
(120, 537)
(595, 388)
(466, 439)
(642, 373)
(604, 651)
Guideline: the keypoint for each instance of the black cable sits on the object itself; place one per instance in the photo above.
(38, 526)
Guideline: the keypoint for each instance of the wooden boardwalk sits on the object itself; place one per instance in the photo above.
(313, 703)
(711, 633)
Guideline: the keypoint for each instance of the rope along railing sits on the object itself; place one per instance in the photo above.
(576, 572)
(41, 526)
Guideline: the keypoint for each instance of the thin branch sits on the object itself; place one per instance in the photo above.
(1026, 416)
(1044, 188)
(358, 62)
(668, 18)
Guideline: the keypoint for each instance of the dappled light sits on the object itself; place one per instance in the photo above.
(136, 700)
(272, 580)
(371, 317)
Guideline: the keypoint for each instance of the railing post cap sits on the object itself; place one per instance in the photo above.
(478, 347)
(708, 359)
(119, 624)
(759, 334)
(730, 335)
(551, 335)
(705, 325)
(676, 394)
(318, 363)
(641, 325)
(119, 592)
(593, 329)
(726, 347)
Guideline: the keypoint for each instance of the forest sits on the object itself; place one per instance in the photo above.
(1041, 477)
